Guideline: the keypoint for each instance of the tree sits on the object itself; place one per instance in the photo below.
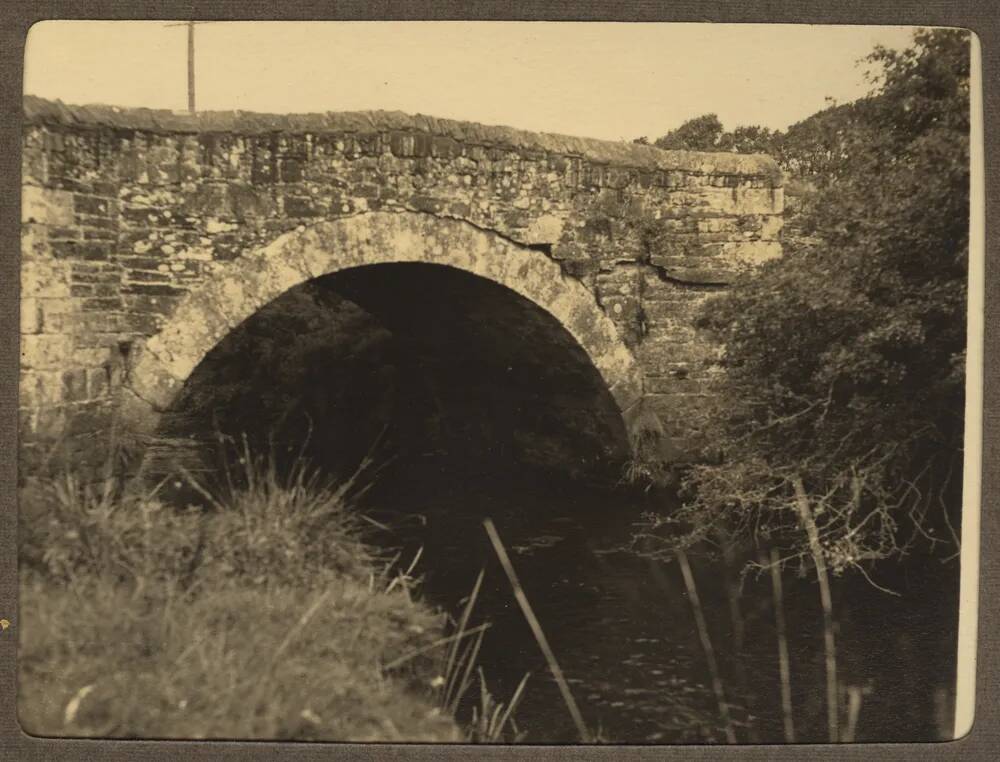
(705, 133)
(842, 399)
(699, 134)
(839, 411)
(751, 139)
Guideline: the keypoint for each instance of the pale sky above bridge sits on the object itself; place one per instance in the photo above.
(613, 81)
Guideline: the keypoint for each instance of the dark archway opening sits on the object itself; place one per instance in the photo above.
(456, 377)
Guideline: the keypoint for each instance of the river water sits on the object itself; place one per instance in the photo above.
(623, 629)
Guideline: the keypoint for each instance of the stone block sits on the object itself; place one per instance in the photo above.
(246, 202)
(298, 206)
(99, 336)
(91, 357)
(31, 316)
(736, 201)
(290, 170)
(34, 166)
(92, 205)
(57, 315)
(47, 206)
(136, 414)
(34, 242)
(162, 161)
(189, 166)
(94, 226)
(102, 303)
(152, 289)
(99, 234)
(98, 382)
(48, 423)
(87, 251)
(146, 217)
(149, 380)
(39, 388)
(45, 351)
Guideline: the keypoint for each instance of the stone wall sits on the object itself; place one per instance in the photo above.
(125, 211)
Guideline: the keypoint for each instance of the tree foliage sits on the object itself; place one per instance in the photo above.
(706, 133)
(699, 134)
(845, 360)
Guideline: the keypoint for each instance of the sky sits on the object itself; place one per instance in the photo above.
(615, 81)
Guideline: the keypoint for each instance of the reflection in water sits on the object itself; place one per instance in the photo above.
(622, 628)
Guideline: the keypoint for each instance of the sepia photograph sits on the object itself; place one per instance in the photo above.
(481, 382)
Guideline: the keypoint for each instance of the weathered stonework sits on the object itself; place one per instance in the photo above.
(147, 235)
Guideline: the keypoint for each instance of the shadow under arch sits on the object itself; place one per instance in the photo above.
(344, 248)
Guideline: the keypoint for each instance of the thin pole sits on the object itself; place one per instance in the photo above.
(536, 629)
(190, 26)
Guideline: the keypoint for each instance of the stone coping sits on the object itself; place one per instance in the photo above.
(40, 111)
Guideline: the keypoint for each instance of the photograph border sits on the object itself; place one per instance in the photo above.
(982, 18)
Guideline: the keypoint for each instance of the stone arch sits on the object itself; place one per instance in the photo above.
(160, 365)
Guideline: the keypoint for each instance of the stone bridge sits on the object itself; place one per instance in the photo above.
(148, 236)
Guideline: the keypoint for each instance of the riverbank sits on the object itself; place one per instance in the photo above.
(262, 615)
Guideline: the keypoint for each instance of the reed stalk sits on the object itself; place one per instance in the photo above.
(706, 644)
(733, 596)
(829, 642)
(734, 593)
(854, 696)
(783, 661)
(536, 629)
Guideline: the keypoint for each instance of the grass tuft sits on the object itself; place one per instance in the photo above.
(259, 613)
